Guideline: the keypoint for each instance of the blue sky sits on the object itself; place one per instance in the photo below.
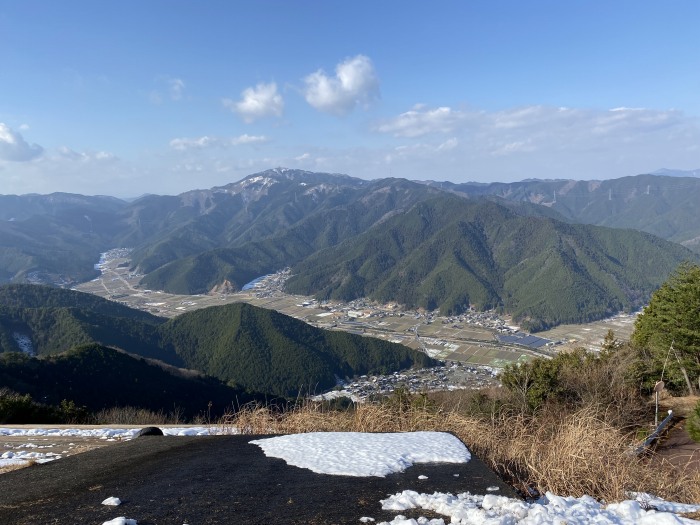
(129, 97)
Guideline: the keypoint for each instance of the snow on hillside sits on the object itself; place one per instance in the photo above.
(24, 343)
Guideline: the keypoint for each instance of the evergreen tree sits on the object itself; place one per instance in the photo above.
(668, 332)
(693, 425)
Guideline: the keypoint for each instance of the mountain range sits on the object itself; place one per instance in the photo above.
(545, 251)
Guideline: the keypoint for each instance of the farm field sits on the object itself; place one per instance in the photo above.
(469, 340)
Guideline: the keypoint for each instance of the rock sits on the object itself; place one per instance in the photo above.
(149, 431)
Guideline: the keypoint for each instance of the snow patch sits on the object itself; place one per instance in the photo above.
(120, 521)
(364, 454)
(22, 458)
(24, 343)
(469, 509)
(102, 433)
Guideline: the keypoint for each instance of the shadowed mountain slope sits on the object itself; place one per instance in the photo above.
(245, 346)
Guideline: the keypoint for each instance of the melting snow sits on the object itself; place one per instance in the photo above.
(120, 521)
(20, 458)
(102, 433)
(364, 454)
(468, 509)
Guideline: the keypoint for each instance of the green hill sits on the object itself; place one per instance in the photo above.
(449, 253)
(55, 238)
(340, 213)
(247, 347)
(266, 351)
(98, 377)
(31, 296)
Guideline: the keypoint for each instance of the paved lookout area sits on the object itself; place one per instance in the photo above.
(213, 480)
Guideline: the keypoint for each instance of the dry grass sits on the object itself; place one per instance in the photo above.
(10, 468)
(570, 454)
(135, 416)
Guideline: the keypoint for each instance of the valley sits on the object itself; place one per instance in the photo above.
(468, 339)
(348, 240)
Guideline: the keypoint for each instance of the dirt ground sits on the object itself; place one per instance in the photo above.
(65, 446)
(677, 447)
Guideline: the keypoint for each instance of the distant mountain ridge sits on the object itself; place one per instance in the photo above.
(194, 242)
(658, 204)
(676, 173)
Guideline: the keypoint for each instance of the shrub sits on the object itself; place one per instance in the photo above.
(16, 408)
(575, 380)
(693, 423)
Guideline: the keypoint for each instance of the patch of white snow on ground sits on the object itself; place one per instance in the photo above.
(364, 454)
(335, 394)
(102, 433)
(21, 458)
(468, 509)
(112, 502)
(120, 521)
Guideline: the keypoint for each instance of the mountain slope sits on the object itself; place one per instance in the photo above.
(662, 205)
(266, 351)
(248, 347)
(98, 377)
(343, 217)
(54, 238)
(256, 207)
(502, 254)
(448, 253)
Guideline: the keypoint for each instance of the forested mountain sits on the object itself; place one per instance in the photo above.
(449, 253)
(251, 348)
(489, 244)
(97, 377)
(662, 205)
(21, 207)
(266, 351)
(359, 210)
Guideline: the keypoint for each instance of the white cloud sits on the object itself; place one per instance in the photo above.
(448, 144)
(176, 87)
(355, 83)
(65, 153)
(539, 141)
(439, 143)
(263, 100)
(182, 144)
(421, 121)
(248, 139)
(13, 147)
